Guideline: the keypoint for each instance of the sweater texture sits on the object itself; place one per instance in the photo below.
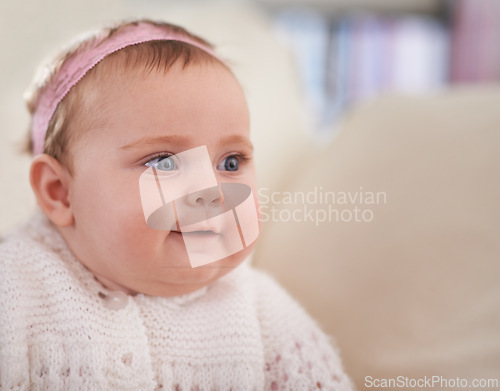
(242, 332)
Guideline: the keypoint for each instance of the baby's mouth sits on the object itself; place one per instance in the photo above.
(203, 228)
(200, 234)
(199, 231)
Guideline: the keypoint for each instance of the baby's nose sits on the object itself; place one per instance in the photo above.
(211, 196)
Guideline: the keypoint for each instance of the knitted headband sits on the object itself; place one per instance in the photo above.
(76, 66)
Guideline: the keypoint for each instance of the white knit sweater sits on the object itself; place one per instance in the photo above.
(243, 332)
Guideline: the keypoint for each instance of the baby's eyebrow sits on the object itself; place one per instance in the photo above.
(237, 139)
(146, 141)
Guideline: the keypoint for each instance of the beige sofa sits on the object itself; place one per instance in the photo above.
(413, 289)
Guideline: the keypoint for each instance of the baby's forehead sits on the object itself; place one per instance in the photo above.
(117, 77)
(118, 94)
(139, 63)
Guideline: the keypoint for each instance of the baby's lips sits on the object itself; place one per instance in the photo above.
(203, 226)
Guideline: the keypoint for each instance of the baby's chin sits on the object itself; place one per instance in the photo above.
(181, 280)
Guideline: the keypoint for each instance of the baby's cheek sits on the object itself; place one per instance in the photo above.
(136, 232)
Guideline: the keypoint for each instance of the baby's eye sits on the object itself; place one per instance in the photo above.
(163, 163)
(231, 163)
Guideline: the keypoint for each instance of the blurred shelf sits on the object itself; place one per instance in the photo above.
(346, 6)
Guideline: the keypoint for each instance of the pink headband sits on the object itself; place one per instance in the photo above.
(75, 68)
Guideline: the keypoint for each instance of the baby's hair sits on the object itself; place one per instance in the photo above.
(74, 112)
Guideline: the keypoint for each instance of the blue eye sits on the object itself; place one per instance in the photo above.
(231, 163)
(163, 163)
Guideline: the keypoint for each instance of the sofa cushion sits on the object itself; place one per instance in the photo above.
(412, 288)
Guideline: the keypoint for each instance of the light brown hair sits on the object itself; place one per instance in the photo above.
(77, 110)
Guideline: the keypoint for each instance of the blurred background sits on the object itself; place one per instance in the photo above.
(392, 96)
(313, 60)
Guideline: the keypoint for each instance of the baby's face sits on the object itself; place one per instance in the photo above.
(146, 119)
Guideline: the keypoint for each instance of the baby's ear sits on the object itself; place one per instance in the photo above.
(50, 182)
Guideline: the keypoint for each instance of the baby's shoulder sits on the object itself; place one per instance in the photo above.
(275, 306)
(15, 249)
(280, 315)
(296, 349)
(270, 295)
(23, 245)
(26, 255)
(260, 290)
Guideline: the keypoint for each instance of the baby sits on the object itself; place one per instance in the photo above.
(133, 277)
